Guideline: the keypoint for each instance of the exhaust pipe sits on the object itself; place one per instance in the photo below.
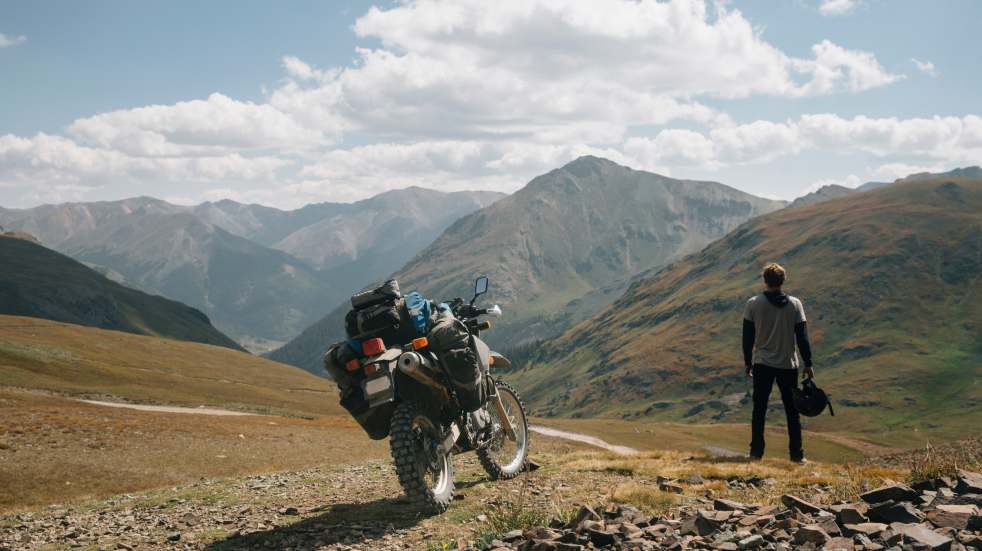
(414, 365)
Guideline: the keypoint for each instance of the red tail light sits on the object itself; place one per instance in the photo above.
(373, 347)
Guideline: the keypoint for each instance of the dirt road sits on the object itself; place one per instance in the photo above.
(172, 409)
(583, 438)
(545, 431)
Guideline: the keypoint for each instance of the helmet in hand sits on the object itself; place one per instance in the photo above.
(810, 400)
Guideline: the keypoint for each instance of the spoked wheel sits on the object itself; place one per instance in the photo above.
(426, 478)
(503, 458)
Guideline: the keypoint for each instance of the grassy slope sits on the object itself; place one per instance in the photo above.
(44, 355)
(888, 278)
(36, 281)
(55, 449)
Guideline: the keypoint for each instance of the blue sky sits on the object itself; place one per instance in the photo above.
(289, 103)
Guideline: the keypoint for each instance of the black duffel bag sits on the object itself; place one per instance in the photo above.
(452, 343)
(386, 293)
(369, 322)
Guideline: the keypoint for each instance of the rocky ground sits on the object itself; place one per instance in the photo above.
(352, 507)
(649, 500)
(940, 514)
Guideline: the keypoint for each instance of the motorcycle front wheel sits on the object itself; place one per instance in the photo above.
(502, 457)
(426, 479)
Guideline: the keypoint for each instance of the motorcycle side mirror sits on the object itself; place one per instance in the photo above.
(480, 287)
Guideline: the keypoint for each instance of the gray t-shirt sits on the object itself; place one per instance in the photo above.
(774, 340)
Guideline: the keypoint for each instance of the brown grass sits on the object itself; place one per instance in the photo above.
(84, 361)
(823, 482)
(933, 462)
(645, 497)
(55, 450)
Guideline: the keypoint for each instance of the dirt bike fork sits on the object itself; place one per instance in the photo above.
(502, 414)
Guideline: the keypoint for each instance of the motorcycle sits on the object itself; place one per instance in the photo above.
(428, 426)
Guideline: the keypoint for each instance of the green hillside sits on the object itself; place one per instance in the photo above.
(890, 280)
(38, 282)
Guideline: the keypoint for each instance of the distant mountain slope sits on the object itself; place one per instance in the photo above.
(833, 191)
(372, 238)
(890, 280)
(234, 261)
(264, 225)
(568, 233)
(38, 282)
(249, 290)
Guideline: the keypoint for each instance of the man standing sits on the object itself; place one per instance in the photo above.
(774, 333)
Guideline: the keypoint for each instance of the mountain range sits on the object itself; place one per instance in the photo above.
(262, 274)
(890, 280)
(38, 282)
(833, 191)
(560, 248)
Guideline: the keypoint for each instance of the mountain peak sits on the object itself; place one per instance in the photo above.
(590, 162)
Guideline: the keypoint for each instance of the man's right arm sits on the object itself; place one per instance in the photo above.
(749, 335)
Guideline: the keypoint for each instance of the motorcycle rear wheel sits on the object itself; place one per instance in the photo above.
(502, 458)
(427, 481)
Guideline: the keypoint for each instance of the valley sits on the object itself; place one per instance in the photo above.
(261, 274)
(38, 282)
(561, 248)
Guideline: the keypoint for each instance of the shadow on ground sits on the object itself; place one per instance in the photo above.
(348, 523)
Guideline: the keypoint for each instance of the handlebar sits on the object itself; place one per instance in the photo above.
(464, 310)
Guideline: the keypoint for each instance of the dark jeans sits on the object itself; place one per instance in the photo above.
(764, 378)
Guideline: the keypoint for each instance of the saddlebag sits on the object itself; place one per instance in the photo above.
(451, 341)
(375, 421)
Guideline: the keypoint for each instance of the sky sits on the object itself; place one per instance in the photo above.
(289, 103)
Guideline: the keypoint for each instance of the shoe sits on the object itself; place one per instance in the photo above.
(799, 460)
(755, 457)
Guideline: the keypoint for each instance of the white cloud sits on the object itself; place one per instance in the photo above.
(892, 171)
(953, 139)
(837, 7)
(556, 71)
(216, 125)
(925, 67)
(47, 166)
(8, 40)
(835, 66)
(475, 94)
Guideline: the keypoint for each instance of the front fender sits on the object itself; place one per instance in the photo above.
(499, 361)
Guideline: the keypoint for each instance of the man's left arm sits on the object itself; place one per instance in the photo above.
(801, 337)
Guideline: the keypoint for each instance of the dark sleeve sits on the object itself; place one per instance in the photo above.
(749, 334)
(805, 347)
